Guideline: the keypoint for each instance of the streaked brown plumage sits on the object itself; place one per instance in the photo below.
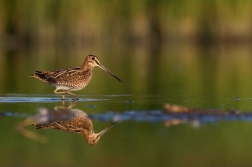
(72, 78)
(69, 120)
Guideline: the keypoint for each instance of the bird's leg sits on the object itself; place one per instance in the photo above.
(72, 94)
(63, 93)
(72, 104)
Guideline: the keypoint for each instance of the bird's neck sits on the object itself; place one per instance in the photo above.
(86, 67)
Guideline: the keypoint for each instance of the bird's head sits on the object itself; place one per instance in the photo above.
(92, 60)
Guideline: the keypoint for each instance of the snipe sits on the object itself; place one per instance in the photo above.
(70, 120)
(72, 78)
(63, 119)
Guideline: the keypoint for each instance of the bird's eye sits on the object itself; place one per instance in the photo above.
(93, 58)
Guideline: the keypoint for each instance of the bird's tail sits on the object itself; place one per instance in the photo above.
(39, 75)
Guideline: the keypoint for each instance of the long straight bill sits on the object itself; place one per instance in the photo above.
(106, 129)
(105, 69)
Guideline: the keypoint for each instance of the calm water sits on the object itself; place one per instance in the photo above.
(195, 77)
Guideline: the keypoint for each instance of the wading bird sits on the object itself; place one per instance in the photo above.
(72, 78)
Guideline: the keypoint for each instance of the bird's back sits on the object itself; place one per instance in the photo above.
(71, 77)
(76, 122)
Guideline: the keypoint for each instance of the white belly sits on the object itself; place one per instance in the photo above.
(68, 88)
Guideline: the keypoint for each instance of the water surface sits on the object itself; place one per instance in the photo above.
(207, 78)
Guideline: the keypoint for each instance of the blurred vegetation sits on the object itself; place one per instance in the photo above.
(77, 22)
(207, 76)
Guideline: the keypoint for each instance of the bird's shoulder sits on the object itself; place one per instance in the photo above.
(66, 72)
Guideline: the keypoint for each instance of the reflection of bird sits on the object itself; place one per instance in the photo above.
(72, 78)
(69, 120)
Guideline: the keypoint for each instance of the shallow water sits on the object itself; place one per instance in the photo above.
(205, 79)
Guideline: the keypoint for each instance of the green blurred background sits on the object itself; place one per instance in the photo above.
(75, 23)
(192, 53)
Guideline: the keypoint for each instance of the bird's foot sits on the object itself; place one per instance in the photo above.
(76, 98)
